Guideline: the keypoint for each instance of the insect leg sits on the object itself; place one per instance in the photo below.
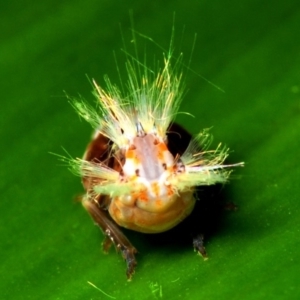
(198, 245)
(113, 234)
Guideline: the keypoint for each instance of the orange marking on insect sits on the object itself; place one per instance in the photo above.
(170, 169)
(158, 202)
(155, 188)
(170, 191)
(130, 154)
(161, 148)
(142, 195)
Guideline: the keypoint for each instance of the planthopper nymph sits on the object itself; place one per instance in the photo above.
(141, 169)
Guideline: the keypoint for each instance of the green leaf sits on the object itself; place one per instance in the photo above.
(49, 246)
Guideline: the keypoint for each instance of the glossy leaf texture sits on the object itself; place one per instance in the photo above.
(49, 246)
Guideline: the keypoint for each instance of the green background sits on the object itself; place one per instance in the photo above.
(251, 49)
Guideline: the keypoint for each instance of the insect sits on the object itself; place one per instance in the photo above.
(140, 170)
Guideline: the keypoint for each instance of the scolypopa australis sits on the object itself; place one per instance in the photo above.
(141, 169)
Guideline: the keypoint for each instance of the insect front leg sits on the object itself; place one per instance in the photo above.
(113, 234)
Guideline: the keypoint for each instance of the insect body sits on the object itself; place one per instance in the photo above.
(141, 169)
